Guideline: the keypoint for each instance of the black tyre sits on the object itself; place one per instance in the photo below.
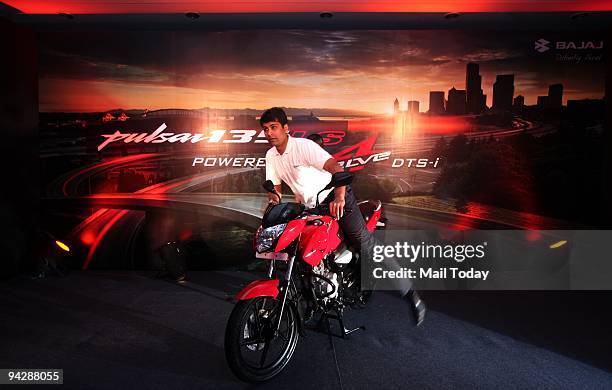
(253, 350)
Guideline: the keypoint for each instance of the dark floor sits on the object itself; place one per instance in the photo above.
(113, 330)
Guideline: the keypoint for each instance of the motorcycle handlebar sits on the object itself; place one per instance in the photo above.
(323, 209)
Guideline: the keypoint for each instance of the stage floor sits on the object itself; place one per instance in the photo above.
(124, 329)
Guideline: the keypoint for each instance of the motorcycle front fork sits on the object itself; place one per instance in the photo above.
(284, 290)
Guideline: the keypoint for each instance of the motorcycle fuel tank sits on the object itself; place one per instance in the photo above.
(293, 229)
(319, 239)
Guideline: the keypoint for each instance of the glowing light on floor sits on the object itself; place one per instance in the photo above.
(62, 245)
(558, 244)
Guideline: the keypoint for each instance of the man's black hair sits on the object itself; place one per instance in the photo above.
(273, 114)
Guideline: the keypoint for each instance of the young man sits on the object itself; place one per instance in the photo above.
(306, 168)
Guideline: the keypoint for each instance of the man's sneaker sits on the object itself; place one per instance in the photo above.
(417, 305)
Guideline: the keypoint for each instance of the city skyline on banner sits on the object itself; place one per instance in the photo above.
(356, 72)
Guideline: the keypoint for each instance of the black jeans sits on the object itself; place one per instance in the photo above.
(357, 235)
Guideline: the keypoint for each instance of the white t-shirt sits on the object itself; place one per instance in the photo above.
(301, 167)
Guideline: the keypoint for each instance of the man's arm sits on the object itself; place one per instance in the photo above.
(336, 207)
(272, 175)
(332, 166)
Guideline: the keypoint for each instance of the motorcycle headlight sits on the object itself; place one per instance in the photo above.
(265, 238)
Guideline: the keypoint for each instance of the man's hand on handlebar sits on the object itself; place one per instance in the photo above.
(324, 209)
(273, 198)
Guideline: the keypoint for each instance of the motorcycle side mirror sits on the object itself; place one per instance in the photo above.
(340, 179)
(269, 186)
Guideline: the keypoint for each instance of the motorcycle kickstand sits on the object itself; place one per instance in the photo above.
(339, 316)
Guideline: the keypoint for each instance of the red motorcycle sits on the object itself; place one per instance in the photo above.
(311, 271)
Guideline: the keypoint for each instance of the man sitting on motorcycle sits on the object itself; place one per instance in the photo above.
(306, 168)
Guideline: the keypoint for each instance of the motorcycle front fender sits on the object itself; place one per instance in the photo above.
(259, 288)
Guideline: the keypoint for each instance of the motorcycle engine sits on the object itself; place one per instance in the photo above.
(340, 259)
(322, 286)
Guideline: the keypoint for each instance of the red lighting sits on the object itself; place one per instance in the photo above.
(251, 6)
(101, 235)
(185, 234)
(88, 237)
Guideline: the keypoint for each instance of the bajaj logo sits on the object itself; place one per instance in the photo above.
(541, 45)
(580, 45)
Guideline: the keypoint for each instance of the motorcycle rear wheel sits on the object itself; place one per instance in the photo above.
(250, 338)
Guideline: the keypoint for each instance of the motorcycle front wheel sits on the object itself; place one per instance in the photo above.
(254, 349)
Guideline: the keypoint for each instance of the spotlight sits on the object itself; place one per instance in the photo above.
(192, 15)
(62, 245)
(173, 262)
(51, 256)
(557, 244)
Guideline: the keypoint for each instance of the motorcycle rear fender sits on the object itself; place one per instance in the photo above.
(259, 288)
(371, 224)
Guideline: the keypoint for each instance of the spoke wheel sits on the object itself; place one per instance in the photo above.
(254, 349)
